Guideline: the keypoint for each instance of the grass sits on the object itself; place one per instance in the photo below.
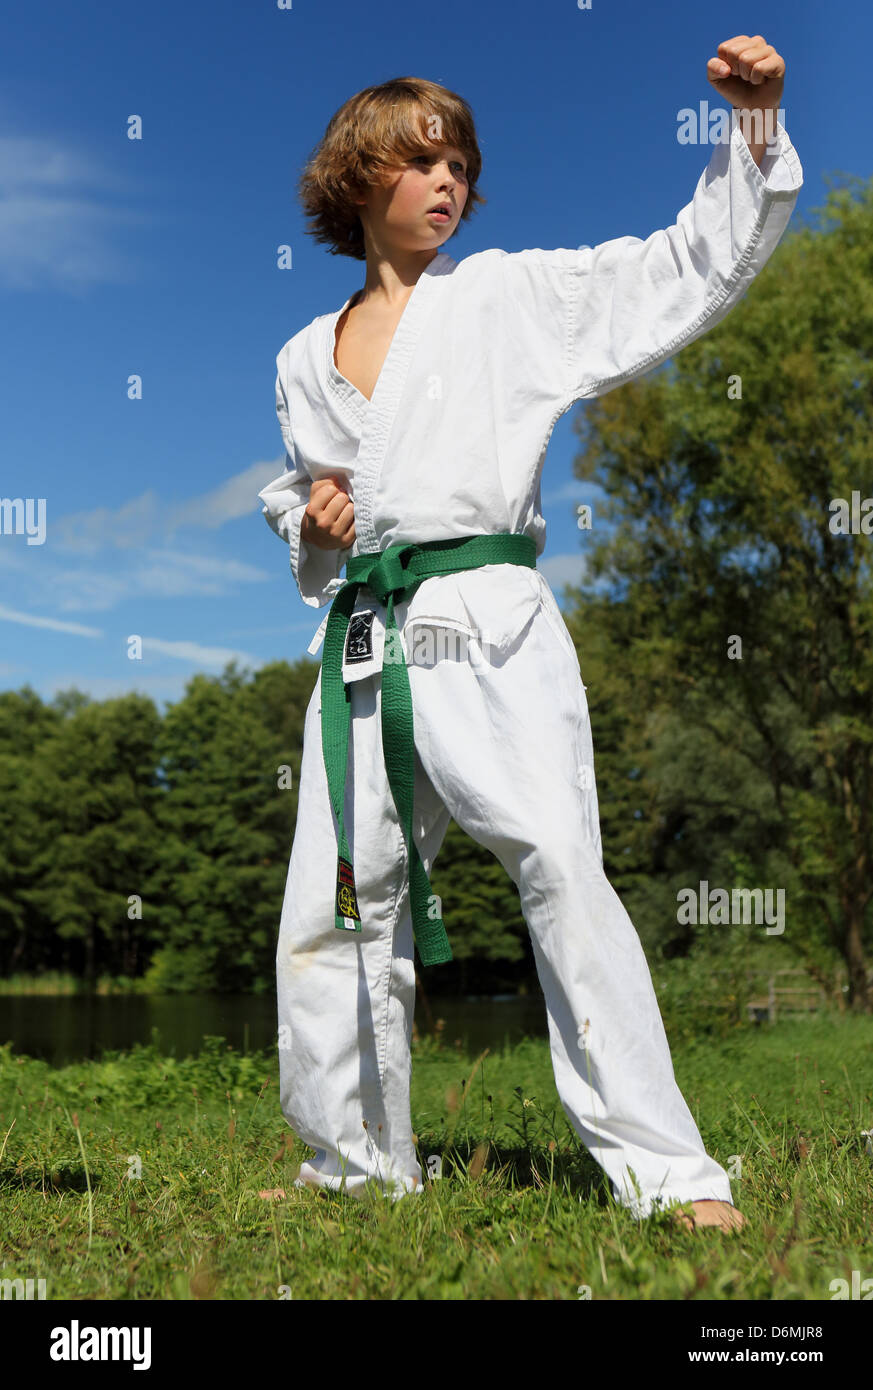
(137, 1177)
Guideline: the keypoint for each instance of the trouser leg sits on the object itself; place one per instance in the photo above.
(513, 763)
(346, 1000)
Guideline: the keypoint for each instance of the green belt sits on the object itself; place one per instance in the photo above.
(393, 575)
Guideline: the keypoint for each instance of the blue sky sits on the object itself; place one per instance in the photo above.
(157, 257)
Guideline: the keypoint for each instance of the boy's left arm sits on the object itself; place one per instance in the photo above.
(579, 323)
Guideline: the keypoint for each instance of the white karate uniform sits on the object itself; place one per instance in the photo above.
(489, 353)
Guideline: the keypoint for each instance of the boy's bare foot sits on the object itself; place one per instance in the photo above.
(273, 1194)
(707, 1212)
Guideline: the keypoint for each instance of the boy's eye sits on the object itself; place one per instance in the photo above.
(458, 164)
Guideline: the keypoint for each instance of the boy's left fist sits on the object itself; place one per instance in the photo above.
(748, 73)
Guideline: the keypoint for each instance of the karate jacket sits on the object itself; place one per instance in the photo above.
(490, 351)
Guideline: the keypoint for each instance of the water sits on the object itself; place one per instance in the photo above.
(71, 1028)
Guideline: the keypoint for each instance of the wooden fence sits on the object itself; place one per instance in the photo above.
(777, 993)
(775, 998)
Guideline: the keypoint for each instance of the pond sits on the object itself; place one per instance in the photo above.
(69, 1028)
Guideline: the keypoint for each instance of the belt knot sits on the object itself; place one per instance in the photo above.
(386, 573)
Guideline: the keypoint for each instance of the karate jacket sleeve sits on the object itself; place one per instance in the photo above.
(316, 571)
(579, 323)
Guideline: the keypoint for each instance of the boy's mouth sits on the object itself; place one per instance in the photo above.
(442, 213)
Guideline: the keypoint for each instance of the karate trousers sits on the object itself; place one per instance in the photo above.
(505, 748)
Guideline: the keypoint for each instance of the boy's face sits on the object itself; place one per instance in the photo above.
(397, 215)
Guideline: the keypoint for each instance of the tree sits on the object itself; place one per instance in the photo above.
(90, 793)
(226, 826)
(482, 914)
(25, 931)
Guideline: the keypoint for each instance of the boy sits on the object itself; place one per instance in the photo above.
(415, 421)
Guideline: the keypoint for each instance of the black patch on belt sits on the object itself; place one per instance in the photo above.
(359, 638)
(346, 897)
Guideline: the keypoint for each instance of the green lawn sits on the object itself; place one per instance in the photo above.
(527, 1217)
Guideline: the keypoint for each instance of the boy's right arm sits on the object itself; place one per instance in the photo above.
(310, 516)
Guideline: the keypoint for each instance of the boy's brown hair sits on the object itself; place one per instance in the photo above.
(370, 136)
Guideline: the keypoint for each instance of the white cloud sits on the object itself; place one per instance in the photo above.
(54, 232)
(196, 654)
(147, 518)
(36, 162)
(132, 524)
(562, 569)
(573, 491)
(172, 573)
(154, 574)
(12, 615)
(232, 499)
(137, 562)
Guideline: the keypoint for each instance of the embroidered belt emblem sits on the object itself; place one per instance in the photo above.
(359, 640)
(346, 898)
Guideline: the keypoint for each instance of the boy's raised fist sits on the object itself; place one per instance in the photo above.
(748, 73)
